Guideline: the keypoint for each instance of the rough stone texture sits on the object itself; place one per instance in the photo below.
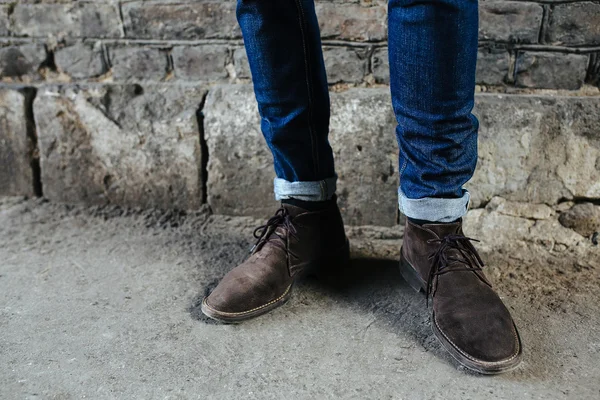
(518, 209)
(542, 154)
(345, 64)
(205, 63)
(551, 70)
(76, 19)
(16, 176)
(127, 145)
(546, 151)
(574, 24)
(4, 20)
(103, 303)
(584, 218)
(80, 60)
(522, 242)
(510, 21)
(240, 171)
(21, 61)
(185, 20)
(492, 66)
(380, 65)
(352, 21)
(138, 63)
(241, 65)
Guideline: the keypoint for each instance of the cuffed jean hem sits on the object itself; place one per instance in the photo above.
(305, 191)
(434, 209)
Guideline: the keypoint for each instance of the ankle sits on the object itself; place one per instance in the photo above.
(310, 205)
(422, 222)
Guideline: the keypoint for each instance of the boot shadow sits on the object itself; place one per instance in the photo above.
(375, 286)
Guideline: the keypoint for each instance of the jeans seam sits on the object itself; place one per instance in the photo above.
(302, 20)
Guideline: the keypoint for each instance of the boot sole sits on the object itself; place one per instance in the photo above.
(411, 276)
(339, 257)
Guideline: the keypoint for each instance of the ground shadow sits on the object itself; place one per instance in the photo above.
(375, 286)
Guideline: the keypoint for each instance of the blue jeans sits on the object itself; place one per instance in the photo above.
(432, 52)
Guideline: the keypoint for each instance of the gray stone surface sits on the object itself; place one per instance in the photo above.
(16, 177)
(493, 66)
(551, 70)
(4, 20)
(241, 65)
(138, 63)
(127, 145)
(21, 61)
(352, 21)
(345, 64)
(200, 63)
(584, 218)
(510, 21)
(181, 20)
(81, 60)
(102, 303)
(546, 151)
(75, 19)
(574, 24)
(531, 211)
(240, 171)
(380, 64)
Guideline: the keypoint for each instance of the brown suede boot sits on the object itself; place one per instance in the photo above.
(292, 243)
(467, 316)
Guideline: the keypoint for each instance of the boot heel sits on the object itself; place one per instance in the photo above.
(410, 276)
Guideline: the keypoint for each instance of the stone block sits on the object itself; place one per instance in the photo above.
(204, 63)
(519, 209)
(16, 174)
(574, 24)
(493, 66)
(352, 21)
(345, 64)
(74, 19)
(538, 149)
(181, 20)
(4, 20)
(510, 21)
(584, 218)
(21, 61)
(241, 65)
(81, 60)
(240, 170)
(138, 63)
(381, 66)
(551, 70)
(121, 144)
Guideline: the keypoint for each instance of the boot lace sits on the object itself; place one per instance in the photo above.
(269, 232)
(469, 258)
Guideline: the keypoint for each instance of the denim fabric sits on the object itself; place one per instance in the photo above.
(432, 52)
(283, 44)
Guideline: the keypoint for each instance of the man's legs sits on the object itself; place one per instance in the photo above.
(283, 44)
(433, 52)
(284, 50)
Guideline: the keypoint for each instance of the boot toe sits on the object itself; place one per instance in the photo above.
(480, 332)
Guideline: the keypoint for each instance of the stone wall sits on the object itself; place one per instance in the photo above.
(149, 103)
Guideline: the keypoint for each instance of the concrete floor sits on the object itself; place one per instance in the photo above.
(103, 303)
